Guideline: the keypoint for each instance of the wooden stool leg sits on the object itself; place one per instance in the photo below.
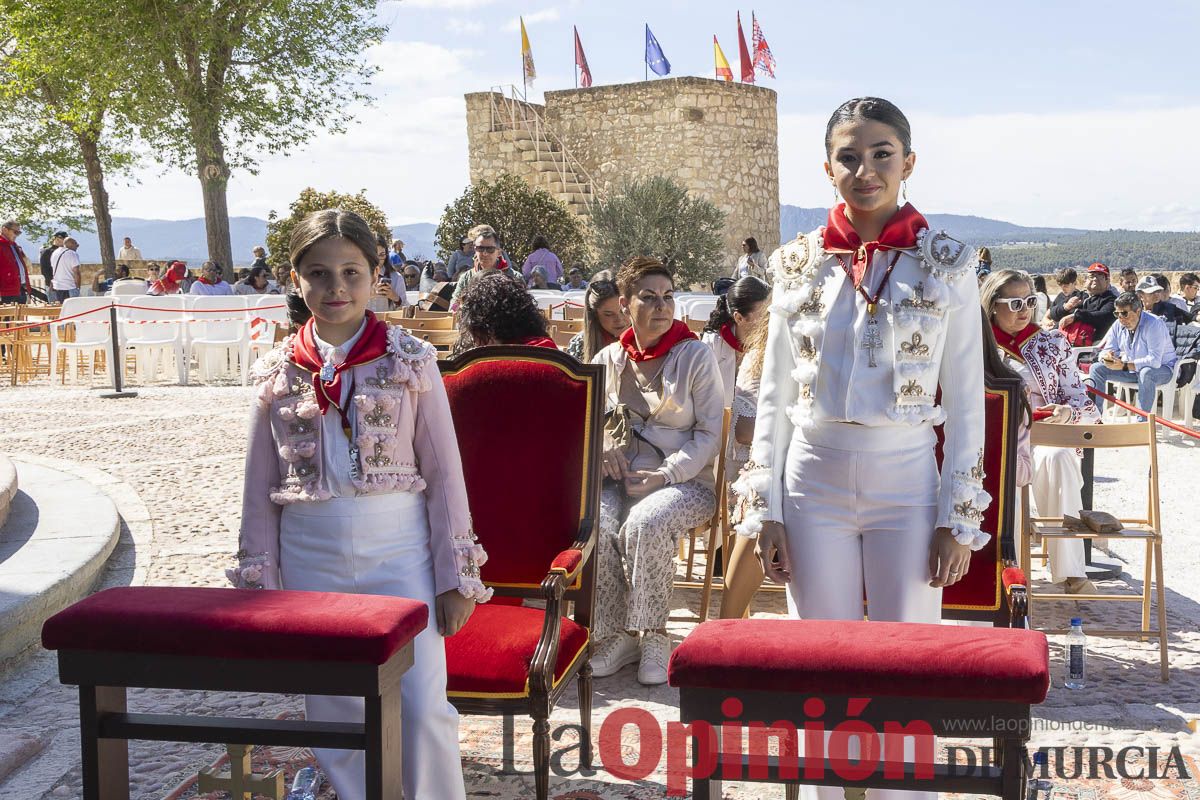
(105, 762)
(1012, 769)
(381, 724)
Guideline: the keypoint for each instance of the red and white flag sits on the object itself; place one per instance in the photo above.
(585, 74)
(764, 62)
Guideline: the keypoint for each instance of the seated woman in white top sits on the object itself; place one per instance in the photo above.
(738, 312)
(211, 281)
(662, 385)
(1043, 360)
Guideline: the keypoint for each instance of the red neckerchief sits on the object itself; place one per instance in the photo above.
(501, 265)
(205, 281)
(899, 233)
(1012, 343)
(678, 332)
(729, 337)
(370, 346)
(540, 341)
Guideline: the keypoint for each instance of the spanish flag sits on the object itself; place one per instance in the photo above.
(527, 55)
(723, 70)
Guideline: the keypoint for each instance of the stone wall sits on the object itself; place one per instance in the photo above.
(720, 140)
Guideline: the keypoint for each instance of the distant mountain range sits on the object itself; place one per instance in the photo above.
(185, 240)
(1035, 249)
(979, 231)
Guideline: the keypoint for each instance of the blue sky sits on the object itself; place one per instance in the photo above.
(1054, 113)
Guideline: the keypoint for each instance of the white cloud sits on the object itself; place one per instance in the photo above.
(1092, 169)
(545, 15)
(461, 26)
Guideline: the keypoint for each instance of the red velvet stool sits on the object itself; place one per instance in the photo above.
(234, 640)
(966, 683)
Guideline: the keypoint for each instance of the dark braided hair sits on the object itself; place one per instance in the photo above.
(872, 108)
(495, 309)
(742, 297)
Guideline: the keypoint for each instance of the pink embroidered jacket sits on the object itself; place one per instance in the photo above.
(405, 442)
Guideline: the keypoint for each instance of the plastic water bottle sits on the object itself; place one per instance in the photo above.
(1076, 655)
(1038, 787)
(305, 785)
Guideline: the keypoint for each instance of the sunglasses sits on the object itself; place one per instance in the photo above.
(1124, 313)
(486, 249)
(1019, 304)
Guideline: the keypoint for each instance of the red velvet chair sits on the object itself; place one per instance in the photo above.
(994, 589)
(529, 424)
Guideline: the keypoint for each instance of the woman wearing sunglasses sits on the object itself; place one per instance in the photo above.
(1043, 360)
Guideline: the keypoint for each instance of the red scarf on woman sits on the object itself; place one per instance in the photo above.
(730, 338)
(899, 233)
(370, 346)
(1012, 343)
(540, 341)
(678, 332)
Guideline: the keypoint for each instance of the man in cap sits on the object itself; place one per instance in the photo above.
(1153, 298)
(1096, 309)
(48, 251)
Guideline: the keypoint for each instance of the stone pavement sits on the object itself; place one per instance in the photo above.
(171, 460)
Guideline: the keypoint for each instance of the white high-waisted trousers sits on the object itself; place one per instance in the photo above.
(379, 544)
(860, 510)
(1056, 487)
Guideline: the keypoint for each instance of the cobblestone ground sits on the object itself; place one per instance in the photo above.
(179, 451)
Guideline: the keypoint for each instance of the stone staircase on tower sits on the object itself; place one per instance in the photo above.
(538, 155)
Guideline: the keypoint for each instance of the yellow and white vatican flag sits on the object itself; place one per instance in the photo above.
(527, 70)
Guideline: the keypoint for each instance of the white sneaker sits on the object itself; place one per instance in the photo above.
(656, 649)
(614, 652)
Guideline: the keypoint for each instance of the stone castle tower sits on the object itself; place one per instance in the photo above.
(719, 140)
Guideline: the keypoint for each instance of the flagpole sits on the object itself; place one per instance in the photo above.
(574, 57)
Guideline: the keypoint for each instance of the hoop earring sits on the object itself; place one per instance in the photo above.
(904, 191)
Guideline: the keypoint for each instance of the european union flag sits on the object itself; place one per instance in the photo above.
(654, 55)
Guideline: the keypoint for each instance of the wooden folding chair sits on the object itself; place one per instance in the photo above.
(441, 340)
(444, 323)
(695, 325)
(560, 337)
(422, 314)
(572, 313)
(1147, 530)
(718, 522)
(571, 326)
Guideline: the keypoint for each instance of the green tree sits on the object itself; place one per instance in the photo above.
(49, 63)
(518, 212)
(279, 229)
(225, 82)
(657, 217)
(41, 173)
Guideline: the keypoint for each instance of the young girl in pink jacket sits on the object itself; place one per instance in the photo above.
(354, 484)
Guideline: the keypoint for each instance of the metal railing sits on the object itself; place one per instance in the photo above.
(512, 111)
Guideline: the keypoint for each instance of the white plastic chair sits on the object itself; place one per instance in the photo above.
(93, 334)
(129, 288)
(154, 328)
(269, 314)
(1167, 391)
(700, 307)
(218, 333)
(411, 297)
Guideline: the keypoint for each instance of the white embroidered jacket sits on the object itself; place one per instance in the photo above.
(929, 337)
(404, 442)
